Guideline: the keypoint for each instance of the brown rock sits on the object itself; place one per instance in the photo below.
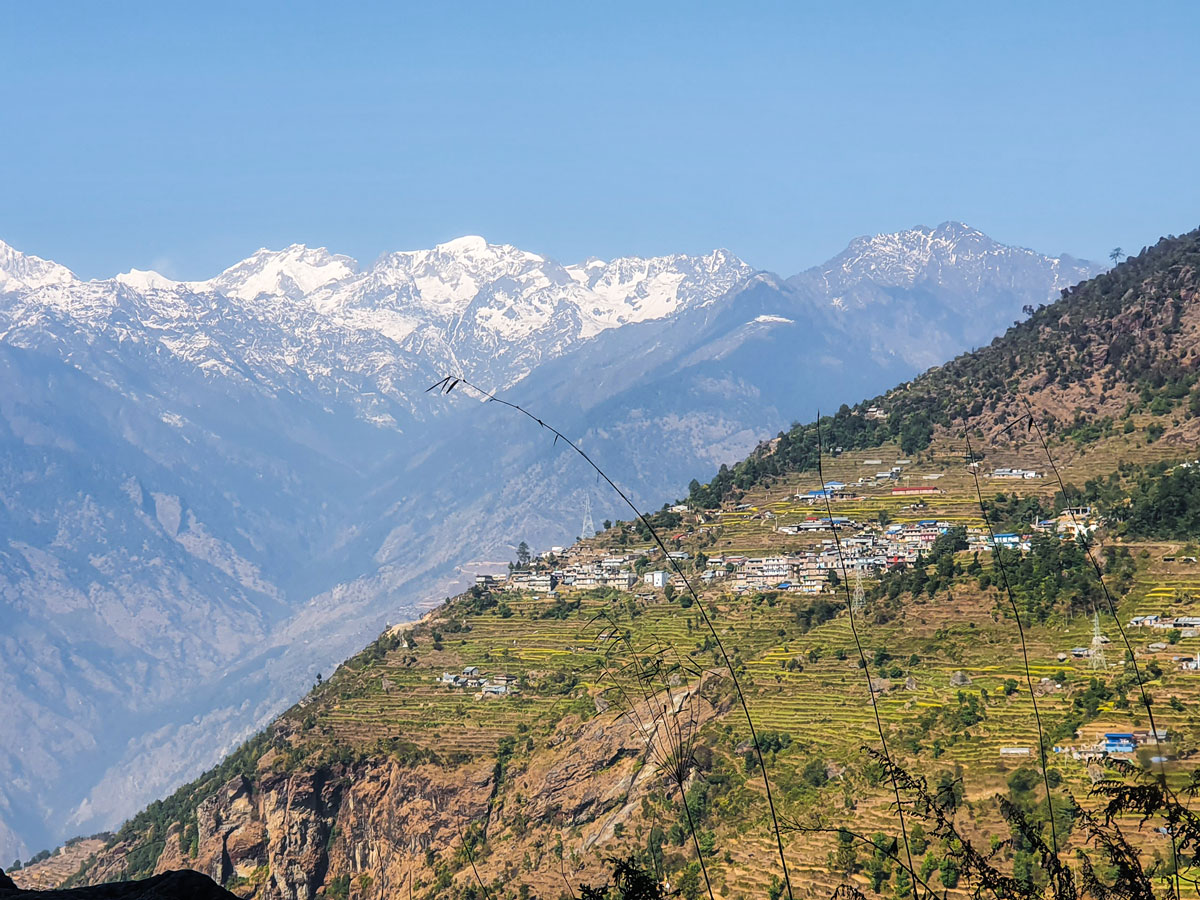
(167, 886)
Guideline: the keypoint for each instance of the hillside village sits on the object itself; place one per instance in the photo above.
(810, 565)
(858, 529)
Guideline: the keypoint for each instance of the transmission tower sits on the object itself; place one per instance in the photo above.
(859, 600)
(589, 527)
(1097, 659)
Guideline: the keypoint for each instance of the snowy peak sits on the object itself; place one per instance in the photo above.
(903, 257)
(495, 310)
(468, 244)
(293, 273)
(951, 253)
(513, 294)
(146, 280)
(633, 289)
(23, 272)
(469, 252)
(447, 279)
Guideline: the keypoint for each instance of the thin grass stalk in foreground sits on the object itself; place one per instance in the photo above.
(1112, 608)
(562, 870)
(446, 385)
(862, 657)
(975, 865)
(999, 563)
(471, 856)
(674, 762)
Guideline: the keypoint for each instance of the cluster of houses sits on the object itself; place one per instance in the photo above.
(1073, 522)
(805, 573)
(614, 571)
(1116, 742)
(865, 548)
(1129, 741)
(871, 547)
(1188, 626)
(836, 490)
(1013, 474)
(484, 685)
(839, 490)
(1070, 523)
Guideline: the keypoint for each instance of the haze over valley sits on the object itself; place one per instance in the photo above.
(215, 490)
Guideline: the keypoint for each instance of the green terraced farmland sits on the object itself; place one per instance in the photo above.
(952, 693)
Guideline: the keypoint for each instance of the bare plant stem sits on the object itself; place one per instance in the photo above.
(999, 562)
(448, 384)
(862, 657)
(675, 761)
(863, 839)
(1112, 609)
(471, 857)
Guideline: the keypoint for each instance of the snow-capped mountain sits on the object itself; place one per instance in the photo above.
(22, 272)
(924, 294)
(493, 310)
(636, 290)
(210, 491)
(292, 273)
(952, 256)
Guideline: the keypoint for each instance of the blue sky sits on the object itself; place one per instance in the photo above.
(186, 136)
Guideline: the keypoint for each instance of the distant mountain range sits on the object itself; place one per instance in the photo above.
(212, 491)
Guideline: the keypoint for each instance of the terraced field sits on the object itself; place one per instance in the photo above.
(945, 653)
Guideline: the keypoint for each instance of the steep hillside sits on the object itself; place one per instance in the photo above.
(526, 732)
(1124, 344)
(397, 770)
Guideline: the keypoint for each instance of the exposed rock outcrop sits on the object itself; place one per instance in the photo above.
(388, 824)
(179, 885)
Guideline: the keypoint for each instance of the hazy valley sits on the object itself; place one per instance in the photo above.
(216, 490)
(523, 733)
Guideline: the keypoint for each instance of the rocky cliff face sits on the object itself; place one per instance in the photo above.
(379, 827)
(286, 835)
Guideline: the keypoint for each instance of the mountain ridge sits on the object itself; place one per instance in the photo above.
(366, 749)
(267, 465)
(1102, 353)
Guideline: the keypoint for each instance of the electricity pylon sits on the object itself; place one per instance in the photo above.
(859, 599)
(589, 527)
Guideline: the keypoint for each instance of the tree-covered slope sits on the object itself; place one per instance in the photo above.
(1123, 343)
